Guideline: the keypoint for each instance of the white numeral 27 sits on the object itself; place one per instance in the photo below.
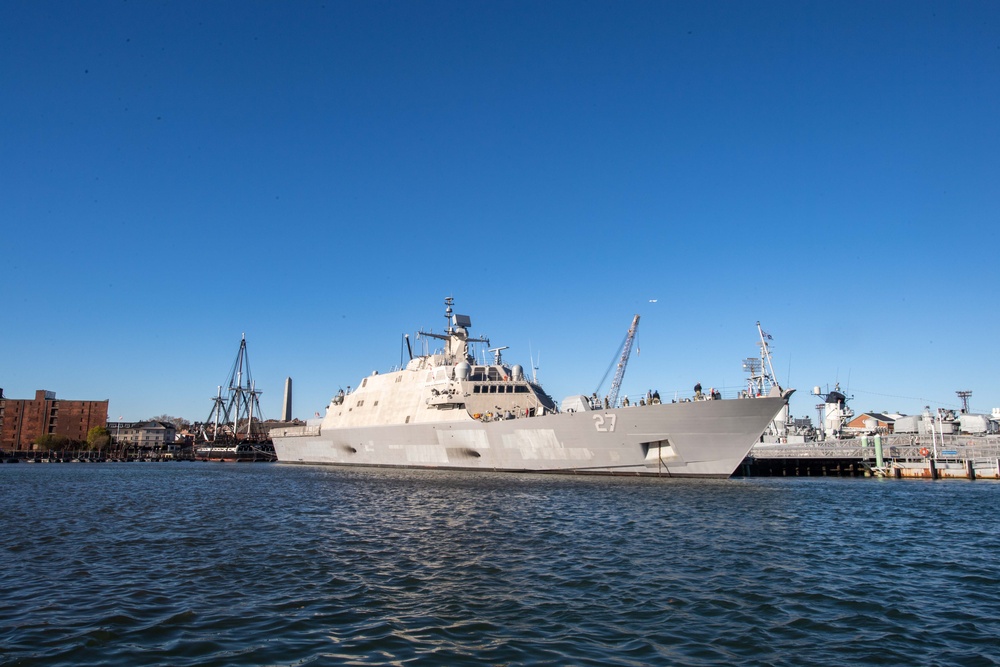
(601, 426)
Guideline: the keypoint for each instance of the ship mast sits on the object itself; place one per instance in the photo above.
(238, 413)
(761, 370)
(456, 335)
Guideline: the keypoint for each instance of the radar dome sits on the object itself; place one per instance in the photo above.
(517, 373)
(463, 370)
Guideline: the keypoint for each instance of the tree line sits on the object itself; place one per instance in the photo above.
(97, 438)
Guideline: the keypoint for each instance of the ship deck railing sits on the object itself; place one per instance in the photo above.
(293, 431)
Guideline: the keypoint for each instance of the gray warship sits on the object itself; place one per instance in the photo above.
(444, 410)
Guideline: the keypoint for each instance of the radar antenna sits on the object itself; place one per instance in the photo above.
(449, 301)
(456, 334)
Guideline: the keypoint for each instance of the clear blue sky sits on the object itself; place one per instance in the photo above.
(320, 175)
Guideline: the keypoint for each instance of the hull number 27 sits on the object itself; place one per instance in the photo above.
(605, 423)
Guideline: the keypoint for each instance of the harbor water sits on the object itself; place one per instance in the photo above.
(270, 564)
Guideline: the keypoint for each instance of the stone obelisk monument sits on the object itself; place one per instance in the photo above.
(286, 410)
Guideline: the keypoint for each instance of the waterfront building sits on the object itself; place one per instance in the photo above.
(24, 420)
(144, 434)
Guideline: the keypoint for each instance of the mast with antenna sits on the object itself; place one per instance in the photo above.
(761, 370)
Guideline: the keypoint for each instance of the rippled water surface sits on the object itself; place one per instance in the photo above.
(260, 564)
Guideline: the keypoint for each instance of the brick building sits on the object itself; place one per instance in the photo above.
(872, 421)
(23, 420)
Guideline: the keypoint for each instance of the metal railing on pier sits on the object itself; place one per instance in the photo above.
(900, 446)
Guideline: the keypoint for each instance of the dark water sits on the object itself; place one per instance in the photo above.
(258, 564)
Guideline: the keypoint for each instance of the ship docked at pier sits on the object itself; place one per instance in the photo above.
(444, 410)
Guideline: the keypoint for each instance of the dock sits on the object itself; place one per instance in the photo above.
(895, 456)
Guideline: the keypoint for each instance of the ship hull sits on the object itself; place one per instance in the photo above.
(691, 439)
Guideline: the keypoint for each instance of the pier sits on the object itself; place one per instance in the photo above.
(896, 456)
(87, 456)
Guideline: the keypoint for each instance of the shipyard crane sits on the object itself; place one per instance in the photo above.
(626, 351)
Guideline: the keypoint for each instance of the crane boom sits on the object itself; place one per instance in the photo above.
(616, 384)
